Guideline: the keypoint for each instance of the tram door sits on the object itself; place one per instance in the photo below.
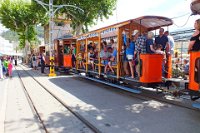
(67, 56)
(58, 53)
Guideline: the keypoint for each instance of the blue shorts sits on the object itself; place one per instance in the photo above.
(105, 62)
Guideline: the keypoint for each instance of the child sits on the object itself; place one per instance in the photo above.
(104, 55)
(91, 57)
(159, 51)
(80, 59)
(10, 66)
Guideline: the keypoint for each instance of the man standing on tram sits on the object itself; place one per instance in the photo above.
(163, 40)
(140, 48)
(171, 42)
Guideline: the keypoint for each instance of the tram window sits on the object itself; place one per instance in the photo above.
(197, 70)
(67, 49)
(82, 47)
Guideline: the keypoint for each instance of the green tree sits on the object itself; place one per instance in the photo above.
(93, 10)
(21, 16)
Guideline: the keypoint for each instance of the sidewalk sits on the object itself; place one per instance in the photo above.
(3, 100)
(16, 114)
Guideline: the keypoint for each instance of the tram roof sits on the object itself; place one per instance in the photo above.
(148, 22)
(195, 6)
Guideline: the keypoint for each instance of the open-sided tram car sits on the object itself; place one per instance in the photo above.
(151, 70)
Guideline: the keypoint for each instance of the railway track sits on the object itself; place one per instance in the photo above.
(92, 127)
(143, 94)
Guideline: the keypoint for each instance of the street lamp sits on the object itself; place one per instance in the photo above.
(51, 13)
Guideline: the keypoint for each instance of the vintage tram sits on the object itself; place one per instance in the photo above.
(76, 53)
(151, 70)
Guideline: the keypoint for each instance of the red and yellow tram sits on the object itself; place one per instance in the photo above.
(151, 64)
(151, 71)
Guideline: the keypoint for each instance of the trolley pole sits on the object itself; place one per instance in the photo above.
(51, 46)
(51, 13)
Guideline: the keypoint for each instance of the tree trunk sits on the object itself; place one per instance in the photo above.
(78, 29)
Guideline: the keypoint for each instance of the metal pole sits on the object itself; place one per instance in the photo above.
(50, 25)
(51, 47)
(181, 53)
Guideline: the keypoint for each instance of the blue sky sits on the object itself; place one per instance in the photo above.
(129, 9)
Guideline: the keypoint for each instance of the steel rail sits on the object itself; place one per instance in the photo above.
(75, 113)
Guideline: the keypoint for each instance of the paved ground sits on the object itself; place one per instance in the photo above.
(55, 116)
(113, 112)
(3, 98)
(17, 116)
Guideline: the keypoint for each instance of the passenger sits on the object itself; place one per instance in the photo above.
(112, 43)
(141, 43)
(73, 56)
(149, 43)
(113, 56)
(186, 67)
(104, 55)
(103, 45)
(90, 45)
(177, 73)
(171, 42)
(140, 48)
(178, 61)
(124, 58)
(163, 40)
(80, 60)
(194, 44)
(159, 51)
(91, 57)
(130, 48)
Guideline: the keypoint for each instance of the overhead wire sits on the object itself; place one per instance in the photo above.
(184, 23)
(194, 13)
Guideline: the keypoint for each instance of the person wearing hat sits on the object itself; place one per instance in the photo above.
(130, 48)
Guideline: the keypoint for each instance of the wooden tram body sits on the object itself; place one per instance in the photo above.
(63, 52)
(152, 63)
(151, 70)
(194, 74)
